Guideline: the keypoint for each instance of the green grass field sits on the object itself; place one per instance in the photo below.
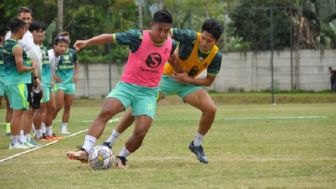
(249, 146)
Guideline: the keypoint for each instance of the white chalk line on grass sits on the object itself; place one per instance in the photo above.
(249, 118)
(48, 144)
(238, 159)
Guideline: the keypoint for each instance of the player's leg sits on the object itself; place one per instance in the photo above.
(143, 109)
(111, 107)
(125, 122)
(142, 125)
(9, 114)
(17, 95)
(37, 120)
(48, 118)
(201, 100)
(68, 98)
(59, 101)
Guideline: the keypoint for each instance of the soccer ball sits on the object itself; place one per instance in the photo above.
(101, 157)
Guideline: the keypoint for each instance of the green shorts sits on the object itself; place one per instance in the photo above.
(46, 93)
(169, 86)
(17, 95)
(67, 88)
(2, 85)
(141, 99)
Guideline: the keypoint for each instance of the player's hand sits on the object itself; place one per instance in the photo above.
(181, 77)
(37, 82)
(79, 44)
(57, 79)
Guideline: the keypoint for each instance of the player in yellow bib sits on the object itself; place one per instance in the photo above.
(196, 53)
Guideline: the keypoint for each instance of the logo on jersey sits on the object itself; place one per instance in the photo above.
(193, 71)
(153, 60)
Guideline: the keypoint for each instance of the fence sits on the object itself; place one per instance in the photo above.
(240, 72)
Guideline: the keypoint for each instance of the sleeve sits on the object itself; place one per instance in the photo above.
(52, 60)
(132, 38)
(183, 35)
(75, 57)
(215, 65)
(28, 46)
(174, 43)
(8, 34)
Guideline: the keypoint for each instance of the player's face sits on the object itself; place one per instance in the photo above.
(26, 17)
(22, 31)
(61, 47)
(160, 31)
(38, 36)
(207, 41)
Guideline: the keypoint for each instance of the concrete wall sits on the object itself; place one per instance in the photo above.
(240, 71)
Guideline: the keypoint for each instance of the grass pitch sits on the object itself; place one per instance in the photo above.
(249, 146)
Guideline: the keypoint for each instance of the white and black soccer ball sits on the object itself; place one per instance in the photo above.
(101, 157)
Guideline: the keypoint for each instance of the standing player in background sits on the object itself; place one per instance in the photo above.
(2, 86)
(18, 69)
(196, 52)
(66, 76)
(60, 46)
(138, 87)
(47, 107)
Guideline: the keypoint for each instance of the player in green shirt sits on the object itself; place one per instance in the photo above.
(65, 77)
(18, 70)
(2, 86)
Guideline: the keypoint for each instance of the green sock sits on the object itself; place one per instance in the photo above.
(8, 129)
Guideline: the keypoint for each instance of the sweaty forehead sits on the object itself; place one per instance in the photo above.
(162, 26)
(207, 35)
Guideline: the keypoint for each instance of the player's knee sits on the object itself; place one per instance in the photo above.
(106, 114)
(210, 109)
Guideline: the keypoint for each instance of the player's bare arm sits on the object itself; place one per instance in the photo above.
(17, 51)
(97, 40)
(184, 78)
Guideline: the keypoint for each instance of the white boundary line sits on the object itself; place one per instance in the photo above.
(48, 144)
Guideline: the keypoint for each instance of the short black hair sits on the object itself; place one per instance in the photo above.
(36, 26)
(59, 39)
(24, 9)
(213, 27)
(162, 16)
(15, 24)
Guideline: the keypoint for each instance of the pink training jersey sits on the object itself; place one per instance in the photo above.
(145, 66)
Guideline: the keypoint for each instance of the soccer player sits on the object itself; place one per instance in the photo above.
(66, 76)
(196, 52)
(28, 45)
(18, 70)
(138, 87)
(2, 86)
(60, 46)
(47, 107)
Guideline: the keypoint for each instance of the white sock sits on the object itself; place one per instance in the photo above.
(124, 152)
(198, 139)
(22, 138)
(114, 136)
(89, 142)
(14, 140)
(43, 127)
(38, 133)
(48, 131)
(64, 126)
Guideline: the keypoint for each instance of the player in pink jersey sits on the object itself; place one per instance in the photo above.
(138, 87)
